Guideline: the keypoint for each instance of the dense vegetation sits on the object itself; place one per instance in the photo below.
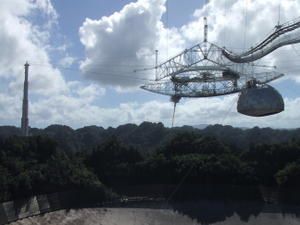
(147, 137)
(40, 164)
(209, 161)
(30, 166)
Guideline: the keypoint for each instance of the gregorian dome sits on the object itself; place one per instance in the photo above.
(261, 100)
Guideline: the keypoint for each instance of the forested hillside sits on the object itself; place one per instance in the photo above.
(34, 165)
(148, 136)
(39, 164)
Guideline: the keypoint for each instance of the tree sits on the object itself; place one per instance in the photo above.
(289, 176)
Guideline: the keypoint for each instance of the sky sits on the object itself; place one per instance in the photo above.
(83, 54)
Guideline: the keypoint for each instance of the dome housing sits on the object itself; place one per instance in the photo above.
(260, 101)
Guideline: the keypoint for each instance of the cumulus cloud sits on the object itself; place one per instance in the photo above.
(124, 41)
(24, 35)
(75, 108)
(240, 25)
(126, 37)
(67, 61)
(9, 108)
(223, 111)
(78, 112)
(117, 44)
(22, 40)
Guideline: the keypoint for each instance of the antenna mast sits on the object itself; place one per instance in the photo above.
(156, 62)
(205, 37)
(25, 120)
(279, 11)
(205, 29)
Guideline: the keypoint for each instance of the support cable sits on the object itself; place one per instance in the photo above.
(167, 26)
(245, 30)
(296, 51)
(279, 12)
(193, 165)
(222, 120)
(245, 22)
(110, 74)
(173, 117)
(156, 63)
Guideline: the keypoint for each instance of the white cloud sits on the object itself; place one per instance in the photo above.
(78, 112)
(67, 61)
(46, 6)
(118, 44)
(129, 37)
(240, 24)
(9, 109)
(21, 40)
(91, 91)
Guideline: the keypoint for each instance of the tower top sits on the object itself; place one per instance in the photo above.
(25, 120)
(205, 28)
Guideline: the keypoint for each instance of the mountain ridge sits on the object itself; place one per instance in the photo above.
(147, 136)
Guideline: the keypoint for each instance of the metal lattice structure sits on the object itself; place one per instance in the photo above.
(24, 119)
(203, 71)
(206, 69)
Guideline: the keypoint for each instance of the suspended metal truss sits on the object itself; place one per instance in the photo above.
(204, 71)
(195, 89)
(208, 70)
(285, 34)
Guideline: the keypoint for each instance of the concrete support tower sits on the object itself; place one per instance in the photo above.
(25, 120)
